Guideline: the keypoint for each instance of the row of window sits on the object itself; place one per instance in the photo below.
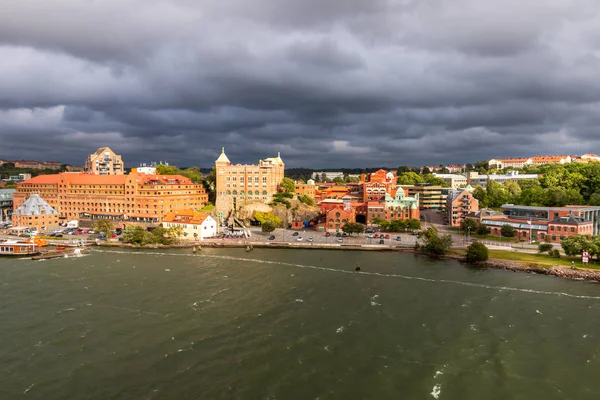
(235, 193)
(242, 184)
(234, 178)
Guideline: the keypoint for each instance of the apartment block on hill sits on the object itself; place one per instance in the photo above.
(104, 161)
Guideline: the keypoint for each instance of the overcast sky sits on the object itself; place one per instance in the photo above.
(328, 83)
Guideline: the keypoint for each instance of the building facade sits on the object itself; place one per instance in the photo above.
(339, 216)
(306, 189)
(195, 225)
(104, 161)
(133, 197)
(588, 213)
(453, 181)
(238, 184)
(476, 179)
(430, 197)
(459, 204)
(35, 213)
(6, 204)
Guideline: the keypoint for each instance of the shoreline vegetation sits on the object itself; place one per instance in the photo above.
(504, 260)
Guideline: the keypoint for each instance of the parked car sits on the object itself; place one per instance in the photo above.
(370, 236)
(118, 231)
(271, 237)
(382, 241)
(310, 239)
(299, 238)
(338, 234)
(387, 236)
(340, 240)
(398, 238)
(295, 234)
(327, 234)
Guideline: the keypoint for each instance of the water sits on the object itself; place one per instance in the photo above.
(291, 324)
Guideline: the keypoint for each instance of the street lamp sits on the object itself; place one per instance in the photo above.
(530, 241)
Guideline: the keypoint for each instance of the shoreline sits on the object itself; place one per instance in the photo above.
(494, 263)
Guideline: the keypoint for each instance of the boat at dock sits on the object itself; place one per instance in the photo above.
(15, 248)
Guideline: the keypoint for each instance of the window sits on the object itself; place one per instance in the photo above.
(228, 192)
(572, 229)
(264, 192)
(552, 228)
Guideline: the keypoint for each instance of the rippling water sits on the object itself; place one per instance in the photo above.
(291, 324)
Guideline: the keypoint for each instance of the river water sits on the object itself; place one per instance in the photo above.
(291, 324)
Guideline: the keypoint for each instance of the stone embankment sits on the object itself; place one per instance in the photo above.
(558, 271)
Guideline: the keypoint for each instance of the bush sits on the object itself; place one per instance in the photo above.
(483, 230)
(544, 247)
(268, 226)
(477, 252)
(554, 253)
(508, 231)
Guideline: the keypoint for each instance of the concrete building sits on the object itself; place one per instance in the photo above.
(144, 170)
(238, 184)
(476, 179)
(430, 197)
(588, 213)
(502, 163)
(18, 178)
(453, 181)
(133, 197)
(328, 175)
(196, 225)
(6, 204)
(589, 157)
(104, 162)
(35, 213)
(459, 204)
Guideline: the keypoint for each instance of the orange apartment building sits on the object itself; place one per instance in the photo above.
(307, 189)
(459, 204)
(133, 197)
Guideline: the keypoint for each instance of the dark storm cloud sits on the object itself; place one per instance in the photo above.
(324, 82)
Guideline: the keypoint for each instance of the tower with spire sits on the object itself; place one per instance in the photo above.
(238, 185)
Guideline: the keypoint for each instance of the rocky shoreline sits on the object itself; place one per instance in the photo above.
(508, 265)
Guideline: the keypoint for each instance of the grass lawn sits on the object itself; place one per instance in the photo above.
(537, 260)
(494, 238)
(207, 208)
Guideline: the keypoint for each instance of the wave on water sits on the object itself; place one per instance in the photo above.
(341, 271)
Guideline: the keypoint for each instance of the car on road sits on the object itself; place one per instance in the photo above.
(295, 234)
(387, 236)
(327, 234)
(338, 234)
(415, 233)
(370, 236)
(310, 239)
(398, 238)
(299, 238)
(340, 240)
(382, 241)
(271, 237)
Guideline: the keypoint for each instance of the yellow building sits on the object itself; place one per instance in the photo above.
(35, 213)
(238, 184)
(104, 162)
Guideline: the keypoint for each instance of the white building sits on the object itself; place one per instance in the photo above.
(476, 179)
(196, 225)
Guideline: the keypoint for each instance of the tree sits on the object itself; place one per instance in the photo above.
(508, 231)
(377, 220)
(175, 232)
(268, 217)
(409, 178)
(413, 224)
(467, 224)
(353, 227)
(482, 166)
(136, 235)
(483, 230)
(477, 252)
(434, 180)
(288, 185)
(305, 199)
(104, 226)
(268, 226)
(425, 171)
(434, 244)
(339, 180)
(544, 247)
(481, 195)
(402, 169)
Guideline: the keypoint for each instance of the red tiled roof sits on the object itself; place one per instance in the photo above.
(186, 216)
(42, 180)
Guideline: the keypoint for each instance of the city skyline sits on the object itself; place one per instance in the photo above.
(329, 84)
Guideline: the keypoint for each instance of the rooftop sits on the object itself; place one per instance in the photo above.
(34, 205)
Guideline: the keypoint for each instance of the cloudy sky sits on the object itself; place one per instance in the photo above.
(327, 83)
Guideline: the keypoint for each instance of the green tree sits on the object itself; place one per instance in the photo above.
(508, 231)
(398, 225)
(434, 244)
(306, 200)
(402, 169)
(434, 180)
(477, 252)
(288, 185)
(353, 227)
(339, 180)
(136, 235)
(104, 226)
(267, 217)
(482, 166)
(409, 178)
(496, 194)
(483, 229)
(268, 226)
(161, 235)
(413, 224)
(467, 224)
(481, 195)
(175, 232)
(544, 247)
(377, 220)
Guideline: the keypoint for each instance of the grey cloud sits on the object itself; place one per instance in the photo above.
(327, 83)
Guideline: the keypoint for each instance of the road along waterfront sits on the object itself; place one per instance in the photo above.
(289, 324)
